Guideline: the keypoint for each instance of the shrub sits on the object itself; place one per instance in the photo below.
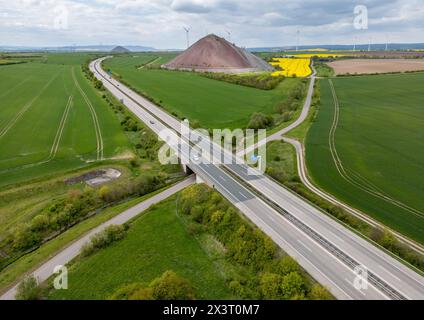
(270, 285)
(318, 292)
(169, 286)
(103, 239)
(259, 81)
(172, 287)
(29, 289)
(287, 265)
(293, 286)
(259, 121)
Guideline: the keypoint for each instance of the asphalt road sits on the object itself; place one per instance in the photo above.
(43, 272)
(325, 249)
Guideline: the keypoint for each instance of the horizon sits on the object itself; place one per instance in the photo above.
(287, 47)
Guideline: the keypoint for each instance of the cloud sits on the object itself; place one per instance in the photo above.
(159, 23)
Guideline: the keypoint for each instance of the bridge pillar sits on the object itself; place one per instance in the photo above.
(199, 180)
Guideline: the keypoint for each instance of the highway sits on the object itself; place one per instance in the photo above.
(325, 249)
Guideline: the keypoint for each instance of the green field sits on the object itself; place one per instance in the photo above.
(378, 146)
(156, 242)
(52, 120)
(214, 104)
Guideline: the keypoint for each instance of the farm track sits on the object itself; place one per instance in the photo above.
(56, 141)
(150, 63)
(25, 108)
(99, 138)
(353, 177)
(59, 132)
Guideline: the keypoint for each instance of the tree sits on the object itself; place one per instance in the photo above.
(270, 286)
(168, 287)
(293, 286)
(104, 193)
(287, 265)
(29, 289)
(23, 238)
(40, 223)
(172, 287)
(197, 213)
(318, 292)
(259, 121)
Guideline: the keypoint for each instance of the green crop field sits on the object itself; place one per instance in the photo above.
(156, 242)
(214, 104)
(371, 152)
(52, 120)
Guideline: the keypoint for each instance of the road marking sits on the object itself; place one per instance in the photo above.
(304, 245)
(338, 238)
(360, 291)
(222, 178)
(243, 195)
(382, 268)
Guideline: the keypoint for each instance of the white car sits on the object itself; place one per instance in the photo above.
(195, 158)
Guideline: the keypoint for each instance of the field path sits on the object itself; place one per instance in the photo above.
(25, 108)
(99, 138)
(150, 63)
(43, 272)
(59, 132)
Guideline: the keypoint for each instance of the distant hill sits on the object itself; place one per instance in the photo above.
(215, 54)
(120, 49)
(88, 48)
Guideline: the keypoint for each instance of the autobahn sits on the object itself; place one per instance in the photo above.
(326, 249)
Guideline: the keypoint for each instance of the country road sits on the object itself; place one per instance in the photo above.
(43, 272)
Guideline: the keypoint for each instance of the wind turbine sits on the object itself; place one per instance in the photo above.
(387, 42)
(369, 45)
(229, 35)
(354, 44)
(298, 40)
(187, 30)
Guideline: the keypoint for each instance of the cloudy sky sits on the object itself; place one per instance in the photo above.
(252, 23)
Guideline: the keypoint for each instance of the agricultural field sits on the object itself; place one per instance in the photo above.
(319, 55)
(52, 120)
(371, 66)
(292, 67)
(366, 147)
(4, 62)
(212, 103)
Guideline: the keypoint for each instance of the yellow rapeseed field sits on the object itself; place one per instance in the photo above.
(292, 67)
(319, 55)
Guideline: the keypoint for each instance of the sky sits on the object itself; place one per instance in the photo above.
(248, 23)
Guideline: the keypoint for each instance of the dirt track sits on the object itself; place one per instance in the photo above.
(368, 66)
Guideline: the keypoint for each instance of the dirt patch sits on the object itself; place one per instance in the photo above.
(370, 66)
(96, 177)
